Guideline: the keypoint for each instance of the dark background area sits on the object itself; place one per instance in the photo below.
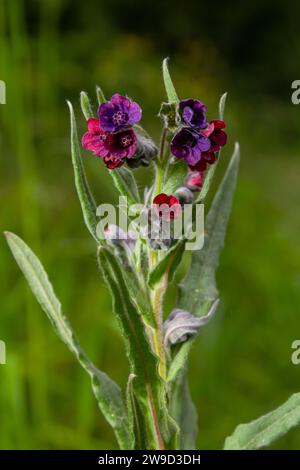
(50, 50)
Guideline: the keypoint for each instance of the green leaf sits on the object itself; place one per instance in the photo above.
(184, 412)
(179, 361)
(126, 185)
(212, 168)
(86, 106)
(107, 392)
(168, 264)
(177, 173)
(147, 385)
(86, 199)
(222, 103)
(198, 289)
(170, 89)
(100, 95)
(266, 429)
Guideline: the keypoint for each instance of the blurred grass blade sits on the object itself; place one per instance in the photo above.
(266, 429)
(167, 265)
(107, 392)
(170, 89)
(100, 95)
(222, 103)
(201, 275)
(147, 385)
(212, 168)
(86, 199)
(184, 412)
(86, 106)
(125, 183)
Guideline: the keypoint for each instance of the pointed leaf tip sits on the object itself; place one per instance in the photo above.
(169, 86)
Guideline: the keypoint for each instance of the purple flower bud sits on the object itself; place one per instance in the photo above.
(119, 113)
(188, 145)
(193, 113)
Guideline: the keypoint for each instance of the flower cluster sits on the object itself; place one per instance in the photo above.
(111, 136)
(198, 141)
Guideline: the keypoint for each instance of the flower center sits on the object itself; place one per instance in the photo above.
(119, 118)
(126, 141)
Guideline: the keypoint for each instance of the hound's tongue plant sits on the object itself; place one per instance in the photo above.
(155, 411)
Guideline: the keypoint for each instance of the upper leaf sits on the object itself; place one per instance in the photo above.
(266, 429)
(170, 89)
(86, 198)
(126, 185)
(177, 172)
(107, 392)
(168, 264)
(198, 289)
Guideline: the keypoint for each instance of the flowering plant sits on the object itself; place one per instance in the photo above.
(156, 410)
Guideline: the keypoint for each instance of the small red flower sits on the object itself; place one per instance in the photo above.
(168, 207)
(216, 135)
(94, 139)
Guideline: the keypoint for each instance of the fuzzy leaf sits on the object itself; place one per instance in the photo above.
(147, 385)
(198, 289)
(177, 173)
(87, 202)
(100, 95)
(86, 106)
(126, 185)
(107, 392)
(168, 264)
(222, 103)
(170, 89)
(184, 412)
(266, 429)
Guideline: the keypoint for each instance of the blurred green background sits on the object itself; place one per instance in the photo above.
(50, 50)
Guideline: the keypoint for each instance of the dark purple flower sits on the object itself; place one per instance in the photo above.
(118, 113)
(121, 144)
(188, 145)
(193, 113)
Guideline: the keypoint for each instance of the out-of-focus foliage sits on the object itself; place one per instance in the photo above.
(49, 52)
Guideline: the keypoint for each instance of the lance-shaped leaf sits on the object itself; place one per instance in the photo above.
(147, 385)
(212, 168)
(266, 429)
(198, 289)
(170, 89)
(184, 412)
(100, 95)
(176, 174)
(86, 106)
(126, 185)
(107, 392)
(86, 199)
(168, 264)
